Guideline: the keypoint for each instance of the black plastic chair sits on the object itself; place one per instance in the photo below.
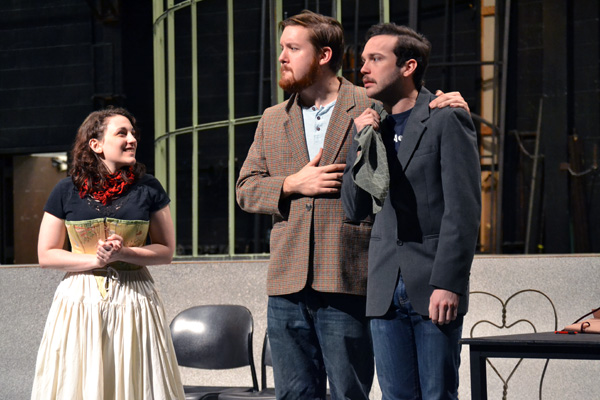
(265, 392)
(214, 337)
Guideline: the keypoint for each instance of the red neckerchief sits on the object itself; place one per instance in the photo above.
(114, 186)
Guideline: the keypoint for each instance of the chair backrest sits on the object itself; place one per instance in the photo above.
(265, 360)
(214, 337)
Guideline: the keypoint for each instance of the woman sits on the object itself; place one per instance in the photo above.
(106, 336)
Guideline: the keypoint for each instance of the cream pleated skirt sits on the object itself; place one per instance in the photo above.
(107, 338)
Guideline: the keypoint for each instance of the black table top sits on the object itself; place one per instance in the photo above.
(590, 340)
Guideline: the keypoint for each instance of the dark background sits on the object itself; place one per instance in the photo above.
(61, 59)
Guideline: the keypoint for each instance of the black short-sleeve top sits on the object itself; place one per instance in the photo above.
(143, 198)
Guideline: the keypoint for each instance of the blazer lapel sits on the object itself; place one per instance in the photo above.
(415, 128)
(294, 132)
(340, 122)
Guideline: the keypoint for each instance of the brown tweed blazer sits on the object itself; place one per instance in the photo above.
(312, 242)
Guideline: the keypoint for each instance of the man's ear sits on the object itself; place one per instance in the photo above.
(95, 145)
(325, 55)
(409, 67)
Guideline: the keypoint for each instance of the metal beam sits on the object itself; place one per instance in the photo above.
(276, 8)
(231, 126)
(195, 194)
(502, 126)
(554, 142)
(413, 14)
(172, 145)
(384, 10)
(160, 126)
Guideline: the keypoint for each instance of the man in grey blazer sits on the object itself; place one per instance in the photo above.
(318, 267)
(423, 239)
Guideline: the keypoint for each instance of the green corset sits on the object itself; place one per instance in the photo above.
(84, 236)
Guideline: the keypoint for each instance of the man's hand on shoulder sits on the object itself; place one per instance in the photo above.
(312, 180)
(368, 117)
(443, 306)
(451, 99)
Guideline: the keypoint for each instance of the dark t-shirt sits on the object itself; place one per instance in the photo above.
(396, 123)
(142, 199)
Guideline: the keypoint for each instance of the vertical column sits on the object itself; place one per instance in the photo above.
(231, 126)
(171, 115)
(488, 136)
(194, 30)
(160, 125)
(384, 10)
(501, 107)
(554, 126)
(275, 7)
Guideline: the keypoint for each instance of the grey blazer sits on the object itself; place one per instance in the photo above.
(427, 229)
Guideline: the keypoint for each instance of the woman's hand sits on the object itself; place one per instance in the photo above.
(159, 251)
(115, 241)
(109, 250)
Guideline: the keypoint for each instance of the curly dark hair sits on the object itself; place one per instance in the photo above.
(85, 164)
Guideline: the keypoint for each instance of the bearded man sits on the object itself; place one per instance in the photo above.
(317, 275)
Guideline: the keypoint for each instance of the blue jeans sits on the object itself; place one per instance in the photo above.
(315, 336)
(415, 358)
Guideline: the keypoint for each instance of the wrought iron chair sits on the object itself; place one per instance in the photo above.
(507, 323)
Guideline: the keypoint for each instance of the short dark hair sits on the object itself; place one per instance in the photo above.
(324, 31)
(410, 45)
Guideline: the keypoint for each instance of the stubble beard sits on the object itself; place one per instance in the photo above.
(388, 93)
